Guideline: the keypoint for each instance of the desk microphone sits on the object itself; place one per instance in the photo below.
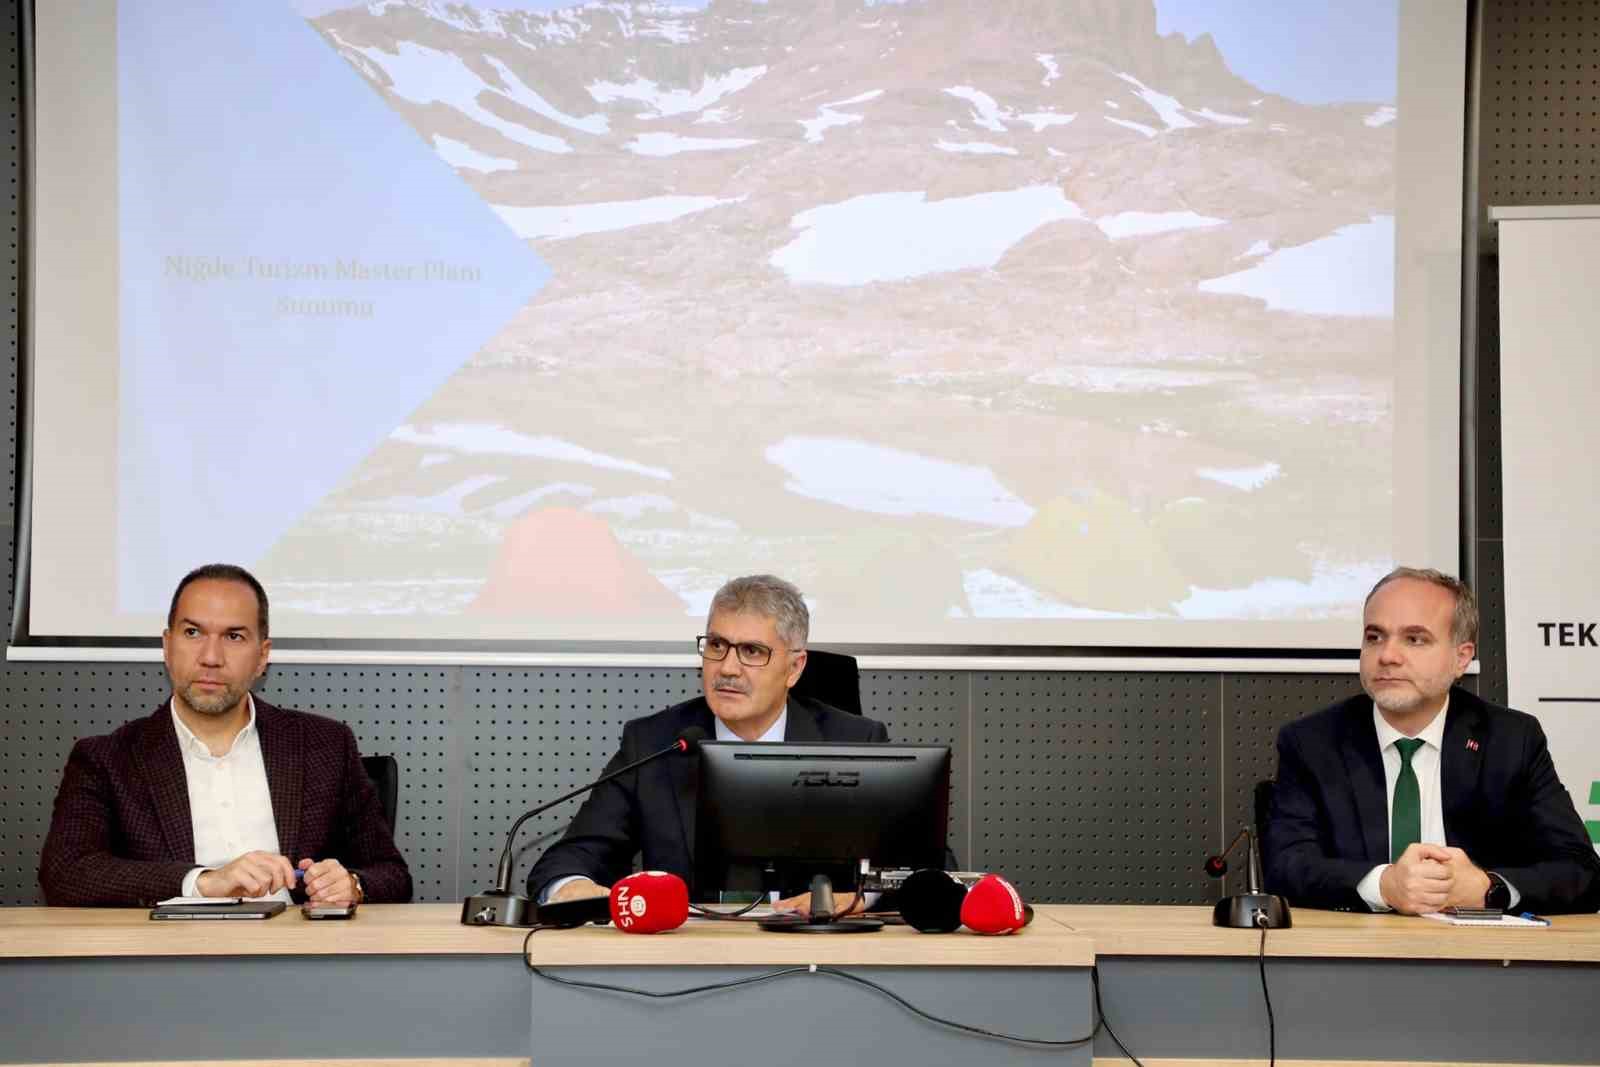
(1252, 908)
(994, 906)
(649, 902)
(939, 902)
(500, 906)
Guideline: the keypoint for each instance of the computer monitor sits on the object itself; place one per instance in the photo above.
(817, 807)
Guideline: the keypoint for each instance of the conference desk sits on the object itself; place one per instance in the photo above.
(409, 982)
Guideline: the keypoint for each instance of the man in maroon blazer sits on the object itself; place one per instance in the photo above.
(217, 793)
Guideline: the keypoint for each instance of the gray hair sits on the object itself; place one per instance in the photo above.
(771, 596)
(1464, 623)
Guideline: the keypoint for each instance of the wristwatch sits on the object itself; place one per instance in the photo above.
(361, 890)
(1498, 894)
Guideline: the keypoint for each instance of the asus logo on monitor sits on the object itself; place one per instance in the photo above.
(846, 779)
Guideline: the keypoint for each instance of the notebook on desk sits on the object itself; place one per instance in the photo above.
(222, 908)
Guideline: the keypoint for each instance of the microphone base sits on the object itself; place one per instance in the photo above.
(1249, 911)
(799, 925)
(499, 907)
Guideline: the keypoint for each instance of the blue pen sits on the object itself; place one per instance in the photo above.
(1531, 917)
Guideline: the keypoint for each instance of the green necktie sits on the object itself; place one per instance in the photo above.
(1405, 822)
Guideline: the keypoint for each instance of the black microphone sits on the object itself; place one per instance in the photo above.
(500, 906)
(1252, 908)
(930, 901)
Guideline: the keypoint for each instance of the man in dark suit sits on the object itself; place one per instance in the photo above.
(752, 653)
(1419, 795)
(217, 793)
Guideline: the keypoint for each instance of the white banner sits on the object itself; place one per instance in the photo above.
(1549, 388)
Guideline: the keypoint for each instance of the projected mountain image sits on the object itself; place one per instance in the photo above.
(944, 310)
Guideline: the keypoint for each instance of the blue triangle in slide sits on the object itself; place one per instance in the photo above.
(283, 236)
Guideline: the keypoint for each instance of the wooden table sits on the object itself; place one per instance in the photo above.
(408, 982)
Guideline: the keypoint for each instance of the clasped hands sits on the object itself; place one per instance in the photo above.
(1429, 878)
(260, 874)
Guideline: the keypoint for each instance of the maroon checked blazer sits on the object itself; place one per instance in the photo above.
(121, 833)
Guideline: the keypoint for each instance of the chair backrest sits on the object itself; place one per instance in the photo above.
(1263, 799)
(384, 773)
(831, 677)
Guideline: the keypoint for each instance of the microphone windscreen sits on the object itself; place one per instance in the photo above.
(930, 901)
(649, 902)
(993, 906)
(689, 738)
(1216, 866)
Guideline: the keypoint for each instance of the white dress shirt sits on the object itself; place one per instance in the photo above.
(230, 806)
(1425, 764)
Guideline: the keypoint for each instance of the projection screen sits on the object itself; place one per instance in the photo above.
(1011, 323)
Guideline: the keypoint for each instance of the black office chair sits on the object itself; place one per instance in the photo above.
(1263, 801)
(831, 677)
(384, 773)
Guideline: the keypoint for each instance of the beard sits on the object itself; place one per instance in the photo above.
(219, 703)
(1401, 700)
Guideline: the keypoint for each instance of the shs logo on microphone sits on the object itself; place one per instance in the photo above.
(649, 902)
(631, 906)
(830, 779)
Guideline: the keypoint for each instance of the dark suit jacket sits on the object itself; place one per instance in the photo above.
(122, 833)
(652, 810)
(1503, 805)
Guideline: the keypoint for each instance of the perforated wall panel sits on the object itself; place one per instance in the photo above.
(1540, 104)
(1096, 787)
(47, 708)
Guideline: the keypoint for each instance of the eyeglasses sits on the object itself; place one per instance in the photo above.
(716, 648)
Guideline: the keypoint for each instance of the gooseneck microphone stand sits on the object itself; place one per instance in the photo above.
(502, 907)
(1253, 908)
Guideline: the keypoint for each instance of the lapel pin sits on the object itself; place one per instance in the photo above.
(1472, 744)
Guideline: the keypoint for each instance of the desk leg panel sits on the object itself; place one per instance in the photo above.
(262, 1007)
(1360, 1009)
(810, 1018)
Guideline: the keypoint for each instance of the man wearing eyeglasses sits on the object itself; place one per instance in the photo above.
(752, 653)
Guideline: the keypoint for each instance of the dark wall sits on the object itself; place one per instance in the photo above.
(1085, 786)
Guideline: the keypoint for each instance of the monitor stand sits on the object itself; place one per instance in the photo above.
(821, 920)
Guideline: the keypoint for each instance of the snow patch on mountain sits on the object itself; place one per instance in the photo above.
(1142, 223)
(888, 237)
(671, 144)
(576, 220)
(493, 439)
(985, 111)
(1167, 107)
(465, 157)
(425, 76)
(1138, 127)
(828, 116)
(664, 102)
(1219, 118)
(1348, 272)
(882, 480)
(1051, 70)
(1381, 117)
(976, 148)
(1042, 120)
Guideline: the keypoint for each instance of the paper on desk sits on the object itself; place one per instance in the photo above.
(1503, 920)
(199, 900)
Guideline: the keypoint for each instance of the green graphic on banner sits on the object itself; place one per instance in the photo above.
(1593, 825)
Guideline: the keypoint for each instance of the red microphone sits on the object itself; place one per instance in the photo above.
(993, 906)
(649, 902)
